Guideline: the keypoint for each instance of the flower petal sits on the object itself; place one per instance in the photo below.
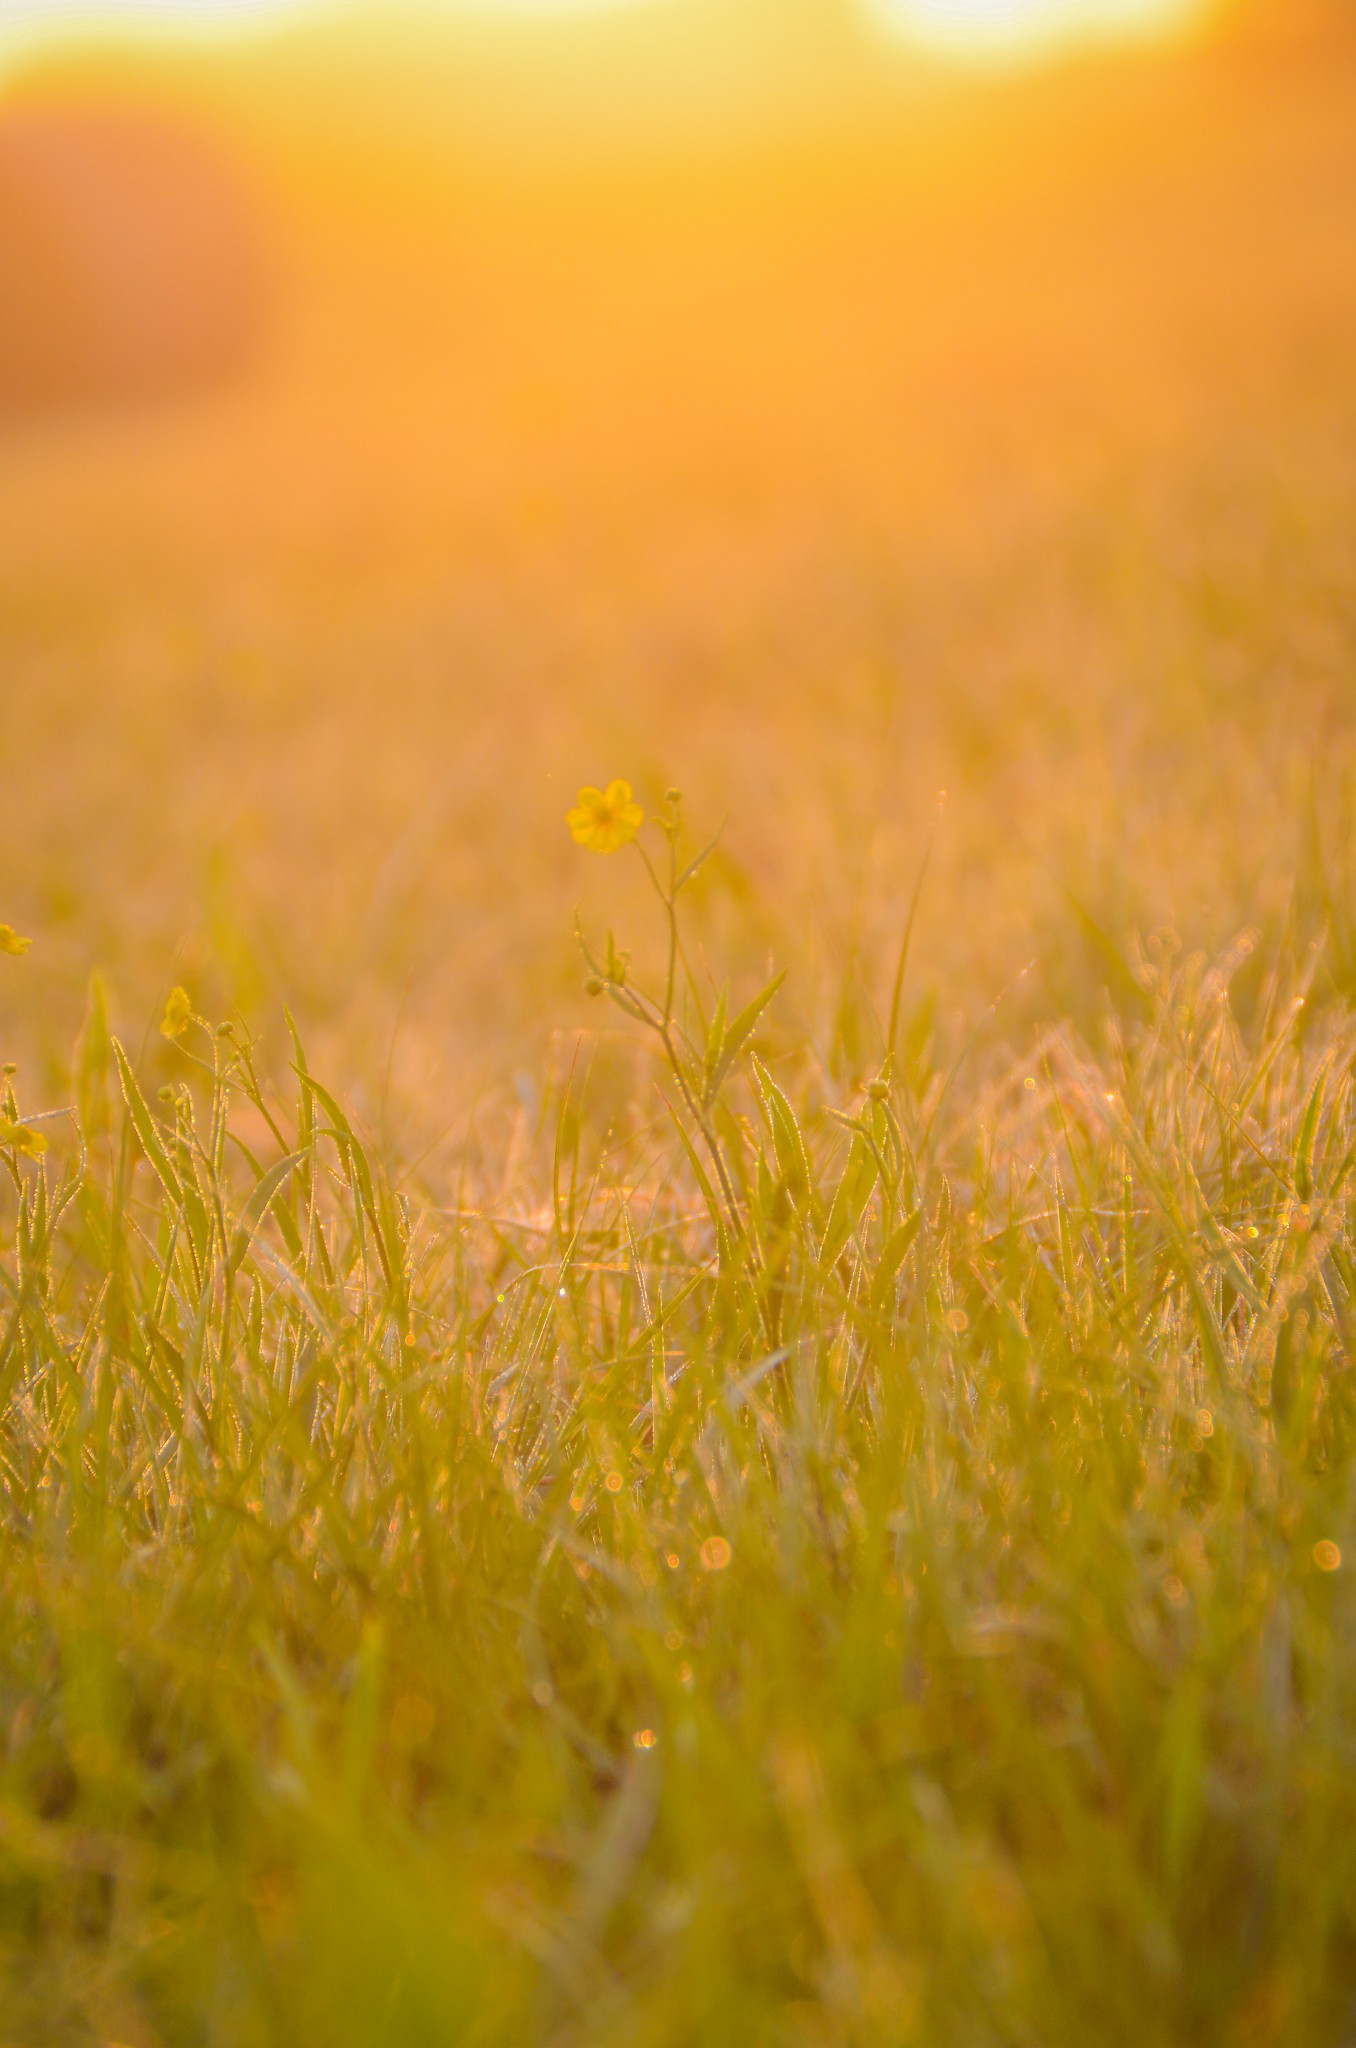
(178, 1013)
(32, 1144)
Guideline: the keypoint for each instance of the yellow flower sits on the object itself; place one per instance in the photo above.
(10, 942)
(605, 819)
(178, 1014)
(18, 1136)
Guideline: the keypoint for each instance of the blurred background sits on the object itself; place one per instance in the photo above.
(411, 411)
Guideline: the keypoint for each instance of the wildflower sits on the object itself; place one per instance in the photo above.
(10, 942)
(178, 1013)
(605, 819)
(19, 1138)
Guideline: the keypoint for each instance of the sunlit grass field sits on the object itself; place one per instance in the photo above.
(760, 1450)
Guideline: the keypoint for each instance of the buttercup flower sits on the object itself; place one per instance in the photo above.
(605, 819)
(10, 942)
(19, 1138)
(178, 1013)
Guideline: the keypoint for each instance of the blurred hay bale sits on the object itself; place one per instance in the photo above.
(131, 259)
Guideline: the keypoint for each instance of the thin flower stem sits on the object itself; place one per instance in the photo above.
(664, 1025)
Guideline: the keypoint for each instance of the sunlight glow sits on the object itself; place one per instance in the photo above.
(33, 24)
(978, 29)
(61, 17)
(999, 28)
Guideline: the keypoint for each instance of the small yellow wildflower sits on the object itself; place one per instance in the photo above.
(20, 1138)
(10, 942)
(178, 1014)
(605, 819)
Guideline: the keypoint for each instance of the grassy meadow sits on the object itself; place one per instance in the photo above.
(759, 1450)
